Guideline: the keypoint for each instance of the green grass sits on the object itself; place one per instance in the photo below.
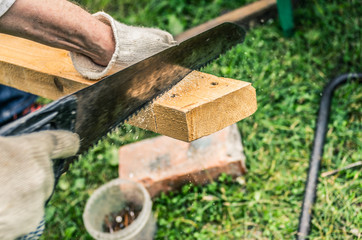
(289, 76)
(174, 16)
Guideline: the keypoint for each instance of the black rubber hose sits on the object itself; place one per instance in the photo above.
(317, 152)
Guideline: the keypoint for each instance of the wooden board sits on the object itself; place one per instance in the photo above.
(240, 16)
(197, 106)
(38, 69)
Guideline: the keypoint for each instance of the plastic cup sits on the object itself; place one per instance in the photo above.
(113, 197)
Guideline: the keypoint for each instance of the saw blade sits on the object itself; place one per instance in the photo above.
(107, 103)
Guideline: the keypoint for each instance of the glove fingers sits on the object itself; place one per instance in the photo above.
(86, 67)
(26, 177)
(55, 144)
(133, 44)
(163, 36)
(62, 144)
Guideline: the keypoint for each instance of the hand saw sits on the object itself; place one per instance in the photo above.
(95, 110)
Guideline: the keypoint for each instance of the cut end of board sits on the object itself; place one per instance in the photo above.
(199, 105)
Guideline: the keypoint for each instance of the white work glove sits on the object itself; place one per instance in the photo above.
(133, 44)
(27, 179)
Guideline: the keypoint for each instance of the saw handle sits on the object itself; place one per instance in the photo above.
(57, 115)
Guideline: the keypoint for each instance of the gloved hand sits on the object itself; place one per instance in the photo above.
(132, 45)
(26, 177)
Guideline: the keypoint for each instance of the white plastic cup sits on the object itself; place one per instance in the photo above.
(112, 197)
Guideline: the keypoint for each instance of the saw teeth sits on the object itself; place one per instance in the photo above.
(116, 127)
(161, 94)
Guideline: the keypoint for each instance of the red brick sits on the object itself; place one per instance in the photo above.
(164, 164)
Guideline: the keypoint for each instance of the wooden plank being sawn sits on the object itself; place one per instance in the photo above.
(197, 106)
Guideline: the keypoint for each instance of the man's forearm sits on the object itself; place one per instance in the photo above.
(61, 24)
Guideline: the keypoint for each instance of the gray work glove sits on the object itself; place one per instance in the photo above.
(133, 44)
(27, 179)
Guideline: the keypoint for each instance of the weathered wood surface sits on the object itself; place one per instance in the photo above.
(241, 16)
(197, 106)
